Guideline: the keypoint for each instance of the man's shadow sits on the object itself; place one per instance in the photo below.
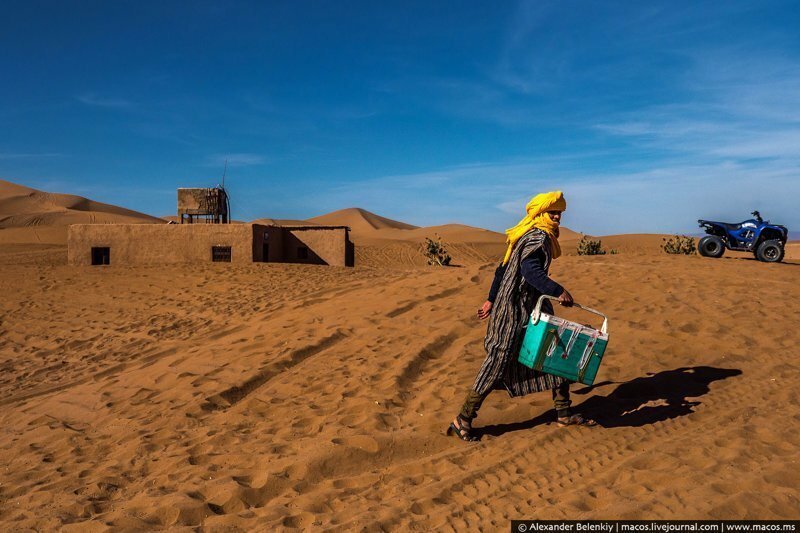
(638, 402)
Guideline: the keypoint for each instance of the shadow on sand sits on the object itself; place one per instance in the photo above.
(790, 262)
(638, 402)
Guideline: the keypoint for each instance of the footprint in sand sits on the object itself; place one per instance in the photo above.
(362, 442)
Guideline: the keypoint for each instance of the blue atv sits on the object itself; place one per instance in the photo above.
(767, 241)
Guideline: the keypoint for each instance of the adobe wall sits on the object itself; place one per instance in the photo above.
(329, 246)
(150, 244)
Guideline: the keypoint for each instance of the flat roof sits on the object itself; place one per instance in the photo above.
(310, 226)
(205, 225)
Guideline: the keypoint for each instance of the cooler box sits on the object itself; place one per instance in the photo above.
(557, 346)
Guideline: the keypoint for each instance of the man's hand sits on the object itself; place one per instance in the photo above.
(565, 299)
(485, 310)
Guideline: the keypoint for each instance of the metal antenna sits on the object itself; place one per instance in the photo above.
(225, 171)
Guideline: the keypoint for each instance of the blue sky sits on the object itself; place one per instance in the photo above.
(648, 115)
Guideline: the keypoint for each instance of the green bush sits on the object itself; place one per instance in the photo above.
(436, 252)
(679, 244)
(590, 247)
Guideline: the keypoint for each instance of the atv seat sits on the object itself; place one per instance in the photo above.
(729, 227)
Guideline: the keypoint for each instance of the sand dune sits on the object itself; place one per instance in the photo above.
(367, 226)
(359, 221)
(456, 233)
(30, 216)
(392, 247)
(153, 397)
(383, 242)
(23, 207)
(567, 234)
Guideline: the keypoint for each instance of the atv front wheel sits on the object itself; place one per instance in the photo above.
(711, 246)
(770, 251)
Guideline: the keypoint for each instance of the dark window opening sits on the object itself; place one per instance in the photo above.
(302, 252)
(101, 256)
(221, 254)
(265, 252)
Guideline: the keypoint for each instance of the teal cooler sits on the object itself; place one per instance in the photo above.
(556, 346)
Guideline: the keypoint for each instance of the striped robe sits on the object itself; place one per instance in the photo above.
(510, 312)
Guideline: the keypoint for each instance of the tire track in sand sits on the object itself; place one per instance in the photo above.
(408, 307)
(477, 484)
(416, 367)
(233, 395)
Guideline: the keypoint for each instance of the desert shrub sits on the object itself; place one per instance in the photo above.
(679, 244)
(589, 247)
(614, 251)
(436, 252)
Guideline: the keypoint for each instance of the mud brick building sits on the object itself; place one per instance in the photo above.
(152, 244)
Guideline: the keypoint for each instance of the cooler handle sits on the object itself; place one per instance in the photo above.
(538, 310)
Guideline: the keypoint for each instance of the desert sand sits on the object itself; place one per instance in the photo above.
(32, 216)
(277, 396)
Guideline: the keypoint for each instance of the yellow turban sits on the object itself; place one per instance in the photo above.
(538, 217)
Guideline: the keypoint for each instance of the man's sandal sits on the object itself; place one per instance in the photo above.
(463, 433)
(575, 420)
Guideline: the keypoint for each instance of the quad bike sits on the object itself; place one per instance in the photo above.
(767, 241)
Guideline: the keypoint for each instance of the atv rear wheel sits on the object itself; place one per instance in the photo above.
(770, 251)
(711, 246)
